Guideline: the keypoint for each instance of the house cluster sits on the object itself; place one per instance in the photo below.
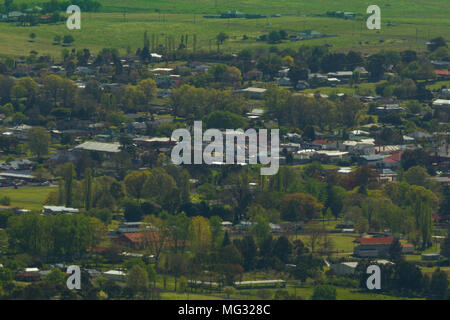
(331, 79)
(34, 15)
(33, 274)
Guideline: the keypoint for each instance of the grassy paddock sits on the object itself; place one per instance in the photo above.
(99, 30)
(389, 9)
(31, 198)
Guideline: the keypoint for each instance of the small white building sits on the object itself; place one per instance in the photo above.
(59, 209)
(115, 275)
(441, 103)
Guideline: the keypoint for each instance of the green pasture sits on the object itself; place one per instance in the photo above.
(99, 30)
(31, 198)
(389, 9)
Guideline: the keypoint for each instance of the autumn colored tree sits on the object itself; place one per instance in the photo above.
(300, 207)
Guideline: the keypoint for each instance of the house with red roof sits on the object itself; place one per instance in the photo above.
(323, 144)
(374, 247)
(393, 160)
(407, 248)
(138, 240)
(442, 74)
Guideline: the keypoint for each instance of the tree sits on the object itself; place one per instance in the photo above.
(439, 284)
(161, 186)
(155, 235)
(201, 234)
(307, 266)
(221, 38)
(148, 88)
(315, 234)
(6, 275)
(135, 182)
(225, 119)
(395, 250)
(185, 187)
(179, 230)
(216, 231)
(274, 37)
(324, 292)
(137, 279)
(229, 291)
(407, 277)
(56, 278)
(356, 77)
(230, 272)
(376, 65)
(283, 249)
(88, 189)
(261, 229)
(68, 39)
(418, 176)
(288, 61)
(297, 73)
(132, 210)
(41, 174)
(69, 176)
(57, 39)
(300, 207)
(416, 157)
(39, 141)
(178, 264)
(436, 43)
(335, 199)
(248, 250)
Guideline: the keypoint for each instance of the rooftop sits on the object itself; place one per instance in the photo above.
(99, 146)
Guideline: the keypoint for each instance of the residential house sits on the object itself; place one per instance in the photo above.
(442, 74)
(115, 275)
(252, 93)
(375, 247)
(344, 268)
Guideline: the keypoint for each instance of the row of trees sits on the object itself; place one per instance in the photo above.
(62, 236)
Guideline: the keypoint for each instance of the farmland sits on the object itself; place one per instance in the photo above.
(408, 30)
(419, 8)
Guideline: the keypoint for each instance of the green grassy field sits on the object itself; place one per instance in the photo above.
(417, 8)
(400, 22)
(30, 198)
(304, 292)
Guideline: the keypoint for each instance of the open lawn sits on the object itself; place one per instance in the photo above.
(30, 198)
(186, 296)
(304, 292)
(361, 88)
(429, 271)
(438, 85)
(343, 242)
